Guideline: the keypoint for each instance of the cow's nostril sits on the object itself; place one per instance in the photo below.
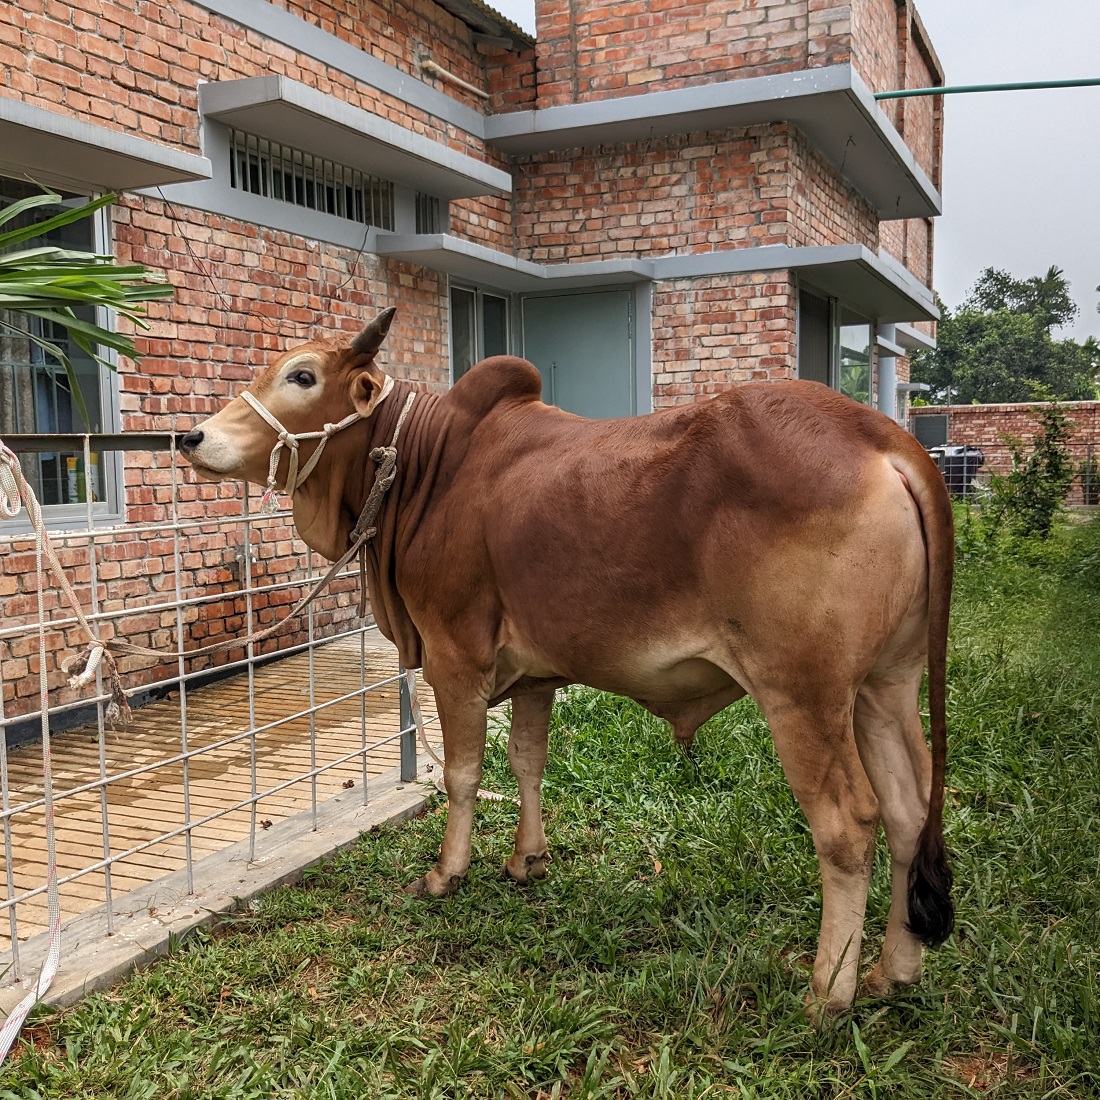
(191, 440)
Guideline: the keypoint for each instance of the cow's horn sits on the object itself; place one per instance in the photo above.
(370, 339)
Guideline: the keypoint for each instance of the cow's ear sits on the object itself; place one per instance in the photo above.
(370, 339)
(365, 390)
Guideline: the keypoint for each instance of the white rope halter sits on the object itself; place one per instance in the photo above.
(290, 440)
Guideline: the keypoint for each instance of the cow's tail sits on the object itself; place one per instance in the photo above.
(931, 912)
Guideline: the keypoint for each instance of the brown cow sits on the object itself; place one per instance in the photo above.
(779, 540)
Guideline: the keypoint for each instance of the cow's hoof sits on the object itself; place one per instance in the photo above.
(822, 1013)
(523, 869)
(878, 984)
(434, 885)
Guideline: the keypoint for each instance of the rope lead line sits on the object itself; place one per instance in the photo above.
(46, 975)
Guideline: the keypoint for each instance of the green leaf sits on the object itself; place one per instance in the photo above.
(47, 198)
(896, 1056)
(66, 217)
(861, 1050)
(87, 329)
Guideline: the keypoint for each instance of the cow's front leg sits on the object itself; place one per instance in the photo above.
(527, 741)
(462, 718)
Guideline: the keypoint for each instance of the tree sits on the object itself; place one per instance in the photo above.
(998, 347)
(1045, 297)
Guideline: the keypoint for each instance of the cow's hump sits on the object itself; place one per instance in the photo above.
(501, 378)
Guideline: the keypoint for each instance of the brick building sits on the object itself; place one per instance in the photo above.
(649, 200)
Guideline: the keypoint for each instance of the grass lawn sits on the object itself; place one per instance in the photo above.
(668, 952)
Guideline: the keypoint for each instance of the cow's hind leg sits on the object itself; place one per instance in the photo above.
(462, 718)
(892, 746)
(819, 757)
(527, 744)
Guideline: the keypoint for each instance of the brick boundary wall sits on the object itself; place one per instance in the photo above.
(986, 426)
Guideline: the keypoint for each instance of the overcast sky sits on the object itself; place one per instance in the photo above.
(1021, 171)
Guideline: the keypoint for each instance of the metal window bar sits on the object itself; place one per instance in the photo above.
(103, 776)
(101, 726)
(428, 213)
(273, 170)
(5, 805)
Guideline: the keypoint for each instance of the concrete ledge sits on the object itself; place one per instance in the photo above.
(146, 919)
(68, 152)
(887, 291)
(290, 112)
(831, 105)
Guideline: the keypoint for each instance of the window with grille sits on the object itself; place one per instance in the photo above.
(429, 214)
(276, 171)
(36, 392)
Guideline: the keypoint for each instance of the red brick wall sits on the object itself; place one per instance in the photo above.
(875, 51)
(702, 192)
(921, 118)
(890, 51)
(590, 49)
(136, 574)
(400, 34)
(243, 295)
(135, 66)
(511, 78)
(689, 193)
(711, 333)
(986, 426)
(824, 208)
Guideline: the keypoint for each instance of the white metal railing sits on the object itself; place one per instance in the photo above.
(21, 809)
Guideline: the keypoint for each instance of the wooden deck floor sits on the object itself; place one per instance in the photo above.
(142, 807)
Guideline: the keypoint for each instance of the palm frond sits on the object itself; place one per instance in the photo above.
(50, 283)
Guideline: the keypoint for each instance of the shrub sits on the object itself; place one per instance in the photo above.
(1029, 498)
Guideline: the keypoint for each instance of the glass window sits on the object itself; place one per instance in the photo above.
(35, 391)
(495, 314)
(479, 327)
(463, 331)
(854, 363)
(815, 337)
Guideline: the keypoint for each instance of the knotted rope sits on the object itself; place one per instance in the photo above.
(81, 669)
(290, 440)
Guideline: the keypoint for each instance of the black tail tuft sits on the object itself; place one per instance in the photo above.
(931, 912)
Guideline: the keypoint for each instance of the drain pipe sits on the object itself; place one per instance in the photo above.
(429, 66)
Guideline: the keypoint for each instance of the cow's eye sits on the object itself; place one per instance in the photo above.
(302, 378)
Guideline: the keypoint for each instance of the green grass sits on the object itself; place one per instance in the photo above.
(667, 954)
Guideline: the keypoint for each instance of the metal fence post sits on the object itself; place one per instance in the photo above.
(408, 729)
